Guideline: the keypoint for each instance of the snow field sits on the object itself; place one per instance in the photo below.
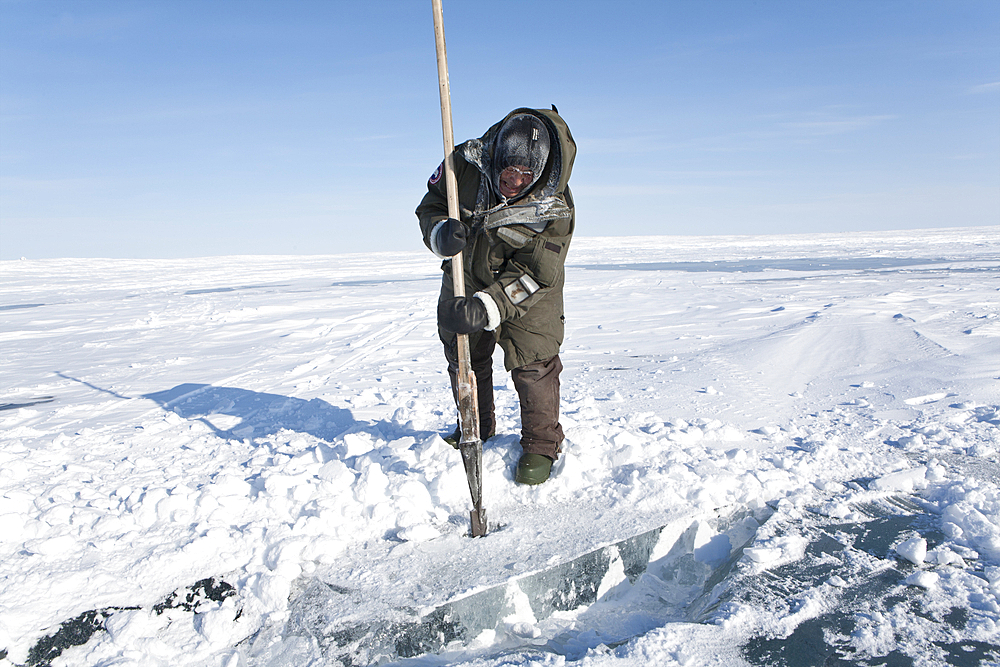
(272, 420)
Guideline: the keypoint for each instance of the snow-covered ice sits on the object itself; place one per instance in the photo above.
(227, 461)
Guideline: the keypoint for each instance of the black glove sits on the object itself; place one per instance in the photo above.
(451, 237)
(462, 315)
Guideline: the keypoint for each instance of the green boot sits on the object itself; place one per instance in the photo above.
(456, 436)
(533, 469)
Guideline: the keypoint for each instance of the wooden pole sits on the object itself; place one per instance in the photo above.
(468, 408)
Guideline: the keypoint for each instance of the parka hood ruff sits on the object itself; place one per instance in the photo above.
(544, 195)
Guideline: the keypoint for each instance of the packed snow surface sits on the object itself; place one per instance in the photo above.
(797, 419)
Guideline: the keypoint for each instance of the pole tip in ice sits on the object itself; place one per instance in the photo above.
(478, 518)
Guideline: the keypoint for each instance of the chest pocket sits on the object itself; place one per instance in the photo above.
(547, 261)
(507, 242)
(514, 237)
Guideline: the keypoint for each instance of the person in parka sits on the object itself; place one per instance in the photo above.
(517, 220)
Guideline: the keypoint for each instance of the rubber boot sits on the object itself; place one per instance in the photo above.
(456, 436)
(533, 469)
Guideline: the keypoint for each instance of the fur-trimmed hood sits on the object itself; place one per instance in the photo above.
(552, 182)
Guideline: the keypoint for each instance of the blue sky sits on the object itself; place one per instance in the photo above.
(184, 128)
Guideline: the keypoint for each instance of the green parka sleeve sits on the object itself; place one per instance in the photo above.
(433, 208)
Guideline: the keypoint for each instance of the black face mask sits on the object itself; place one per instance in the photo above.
(523, 141)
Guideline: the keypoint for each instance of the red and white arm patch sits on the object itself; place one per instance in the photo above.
(436, 176)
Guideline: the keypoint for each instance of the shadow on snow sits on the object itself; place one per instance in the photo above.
(260, 414)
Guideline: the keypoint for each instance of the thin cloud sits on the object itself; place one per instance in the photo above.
(53, 186)
(378, 137)
(649, 143)
(985, 88)
(837, 125)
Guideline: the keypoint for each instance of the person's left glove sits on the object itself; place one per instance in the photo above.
(462, 315)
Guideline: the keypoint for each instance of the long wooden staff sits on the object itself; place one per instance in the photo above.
(468, 410)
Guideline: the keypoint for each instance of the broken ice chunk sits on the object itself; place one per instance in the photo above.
(913, 550)
(923, 579)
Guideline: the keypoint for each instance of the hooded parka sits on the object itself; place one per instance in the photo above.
(516, 251)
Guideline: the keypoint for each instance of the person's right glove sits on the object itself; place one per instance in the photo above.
(450, 237)
(462, 315)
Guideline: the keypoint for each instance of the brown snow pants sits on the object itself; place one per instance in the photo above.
(537, 386)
